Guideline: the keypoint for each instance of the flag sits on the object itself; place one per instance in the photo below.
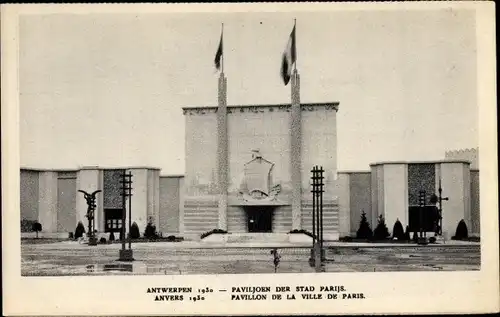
(218, 55)
(289, 58)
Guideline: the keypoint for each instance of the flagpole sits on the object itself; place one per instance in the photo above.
(222, 57)
(295, 39)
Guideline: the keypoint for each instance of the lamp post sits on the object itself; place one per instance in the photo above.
(422, 239)
(440, 200)
(126, 254)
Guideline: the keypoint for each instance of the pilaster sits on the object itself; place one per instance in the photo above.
(139, 199)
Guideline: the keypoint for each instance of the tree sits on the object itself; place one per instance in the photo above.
(150, 232)
(364, 231)
(397, 231)
(461, 233)
(381, 232)
(36, 226)
(134, 231)
(80, 230)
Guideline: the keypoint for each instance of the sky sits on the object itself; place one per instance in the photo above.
(108, 89)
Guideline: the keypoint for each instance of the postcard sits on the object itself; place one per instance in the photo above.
(265, 158)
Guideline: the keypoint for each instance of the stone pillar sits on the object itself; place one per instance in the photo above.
(296, 144)
(222, 152)
(150, 194)
(139, 199)
(455, 181)
(156, 203)
(47, 193)
(395, 195)
(344, 198)
(89, 180)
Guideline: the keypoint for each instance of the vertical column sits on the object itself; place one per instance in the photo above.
(395, 195)
(47, 193)
(150, 194)
(456, 208)
(156, 203)
(296, 144)
(467, 197)
(344, 199)
(139, 199)
(222, 151)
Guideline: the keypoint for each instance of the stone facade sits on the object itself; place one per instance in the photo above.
(51, 198)
(271, 132)
(391, 189)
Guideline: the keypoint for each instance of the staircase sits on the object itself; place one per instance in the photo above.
(261, 237)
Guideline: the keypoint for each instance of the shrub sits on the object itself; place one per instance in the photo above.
(302, 231)
(432, 240)
(80, 230)
(461, 233)
(70, 235)
(36, 227)
(345, 239)
(364, 231)
(206, 234)
(27, 225)
(397, 231)
(407, 233)
(134, 231)
(171, 238)
(102, 240)
(381, 232)
(150, 232)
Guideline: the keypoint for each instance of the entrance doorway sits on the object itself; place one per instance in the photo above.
(113, 219)
(260, 219)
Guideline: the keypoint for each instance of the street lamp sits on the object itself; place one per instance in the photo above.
(126, 254)
(440, 210)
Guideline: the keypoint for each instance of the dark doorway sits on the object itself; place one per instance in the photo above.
(259, 219)
(425, 218)
(113, 219)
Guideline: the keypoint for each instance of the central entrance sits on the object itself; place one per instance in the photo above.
(259, 218)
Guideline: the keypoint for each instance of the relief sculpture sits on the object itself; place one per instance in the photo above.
(257, 180)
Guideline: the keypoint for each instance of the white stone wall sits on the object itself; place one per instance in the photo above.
(319, 147)
(201, 153)
(455, 209)
(395, 194)
(140, 203)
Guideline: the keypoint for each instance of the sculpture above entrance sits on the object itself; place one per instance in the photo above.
(256, 186)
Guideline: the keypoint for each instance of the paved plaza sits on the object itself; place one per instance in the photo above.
(72, 258)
